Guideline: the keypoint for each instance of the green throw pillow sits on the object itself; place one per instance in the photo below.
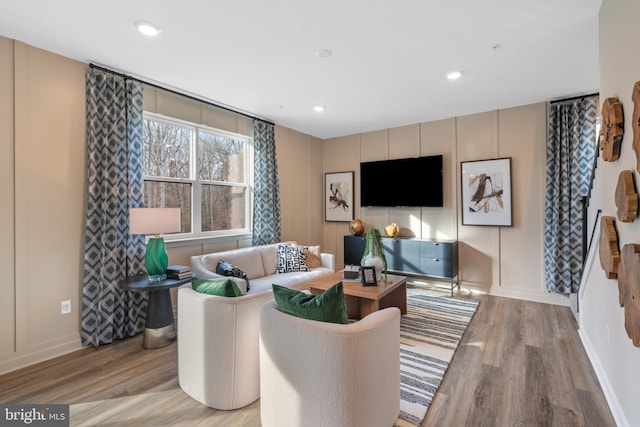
(326, 307)
(221, 288)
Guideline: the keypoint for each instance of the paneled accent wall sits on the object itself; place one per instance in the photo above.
(301, 186)
(7, 185)
(42, 140)
(479, 248)
(503, 261)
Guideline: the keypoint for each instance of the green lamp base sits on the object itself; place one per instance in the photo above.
(156, 259)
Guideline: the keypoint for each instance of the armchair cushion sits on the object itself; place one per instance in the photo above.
(326, 307)
(221, 288)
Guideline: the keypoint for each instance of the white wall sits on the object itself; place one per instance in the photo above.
(601, 319)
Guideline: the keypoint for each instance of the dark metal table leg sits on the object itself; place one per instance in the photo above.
(159, 330)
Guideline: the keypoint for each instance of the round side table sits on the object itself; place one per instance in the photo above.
(159, 329)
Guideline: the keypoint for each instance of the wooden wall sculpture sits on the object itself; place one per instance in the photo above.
(626, 197)
(609, 251)
(612, 129)
(629, 288)
(635, 97)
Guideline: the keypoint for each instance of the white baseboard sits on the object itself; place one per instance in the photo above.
(543, 297)
(14, 361)
(527, 295)
(614, 405)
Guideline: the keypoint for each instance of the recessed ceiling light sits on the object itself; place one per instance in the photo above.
(324, 53)
(147, 28)
(454, 75)
(318, 108)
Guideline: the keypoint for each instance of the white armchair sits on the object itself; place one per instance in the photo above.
(218, 337)
(329, 375)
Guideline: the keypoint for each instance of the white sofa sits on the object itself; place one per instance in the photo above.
(218, 337)
(259, 262)
(328, 375)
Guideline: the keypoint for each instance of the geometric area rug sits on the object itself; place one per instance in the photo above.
(429, 335)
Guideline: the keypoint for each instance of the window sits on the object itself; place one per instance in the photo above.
(203, 171)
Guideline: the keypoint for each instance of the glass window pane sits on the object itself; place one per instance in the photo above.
(223, 207)
(221, 158)
(159, 194)
(166, 149)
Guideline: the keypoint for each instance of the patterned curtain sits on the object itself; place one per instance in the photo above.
(266, 204)
(114, 184)
(571, 146)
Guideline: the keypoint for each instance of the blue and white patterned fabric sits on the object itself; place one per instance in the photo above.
(267, 228)
(571, 146)
(114, 184)
(291, 258)
(225, 268)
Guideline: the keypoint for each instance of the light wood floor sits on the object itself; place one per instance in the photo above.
(519, 364)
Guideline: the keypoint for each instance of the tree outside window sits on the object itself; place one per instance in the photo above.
(201, 170)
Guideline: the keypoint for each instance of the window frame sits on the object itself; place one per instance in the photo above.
(197, 184)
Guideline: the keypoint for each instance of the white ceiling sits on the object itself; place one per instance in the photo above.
(389, 58)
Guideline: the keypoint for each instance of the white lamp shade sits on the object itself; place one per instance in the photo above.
(154, 220)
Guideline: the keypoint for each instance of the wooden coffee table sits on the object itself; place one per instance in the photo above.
(364, 300)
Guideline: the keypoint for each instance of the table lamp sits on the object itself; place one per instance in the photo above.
(154, 221)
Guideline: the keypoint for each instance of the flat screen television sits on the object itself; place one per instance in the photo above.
(410, 182)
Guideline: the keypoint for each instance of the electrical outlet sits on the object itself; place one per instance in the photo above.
(65, 307)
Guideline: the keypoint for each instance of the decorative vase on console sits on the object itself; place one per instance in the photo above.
(356, 227)
(392, 230)
(374, 253)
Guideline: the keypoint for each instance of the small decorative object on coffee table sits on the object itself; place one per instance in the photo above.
(351, 272)
(374, 253)
(369, 276)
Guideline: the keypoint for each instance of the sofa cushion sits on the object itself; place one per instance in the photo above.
(313, 256)
(291, 258)
(269, 255)
(326, 307)
(222, 288)
(227, 269)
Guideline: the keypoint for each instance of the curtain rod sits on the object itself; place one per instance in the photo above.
(573, 98)
(175, 92)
